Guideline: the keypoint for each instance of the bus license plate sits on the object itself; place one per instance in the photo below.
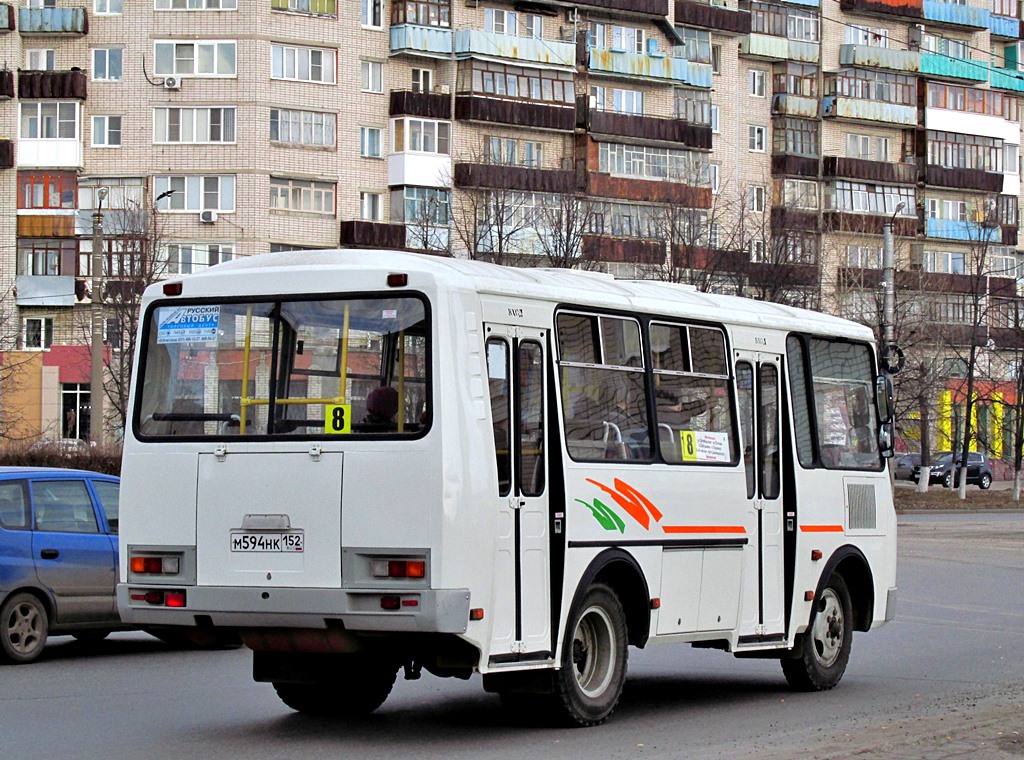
(291, 541)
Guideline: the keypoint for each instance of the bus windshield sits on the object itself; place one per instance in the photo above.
(301, 367)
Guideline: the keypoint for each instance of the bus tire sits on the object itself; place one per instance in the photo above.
(24, 626)
(594, 657)
(821, 654)
(356, 688)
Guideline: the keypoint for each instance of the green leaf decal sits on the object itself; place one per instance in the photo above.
(606, 517)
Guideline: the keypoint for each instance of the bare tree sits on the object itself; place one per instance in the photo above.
(428, 221)
(565, 222)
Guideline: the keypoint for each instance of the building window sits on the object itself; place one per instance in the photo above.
(986, 102)
(422, 13)
(46, 190)
(499, 21)
(694, 106)
(946, 262)
(195, 193)
(40, 59)
(370, 15)
(864, 256)
(76, 406)
(49, 121)
(511, 152)
(757, 82)
(867, 148)
(309, 128)
(714, 171)
(122, 192)
(302, 195)
(422, 80)
(46, 257)
(188, 258)
(196, 5)
(796, 79)
(868, 36)
(371, 206)
(534, 26)
(194, 125)
(106, 131)
(696, 45)
(716, 59)
(500, 80)
(755, 198)
(756, 249)
(648, 162)
(755, 138)
(954, 150)
(372, 76)
(860, 197)
(107, 7)
(866, 84)
(106, 64)
(800, 194)
(37, 333)
(312, 7)
(301, 64)
(714, 120)
(195, 59)
(796, 137)
(369, 142)
(422, 136)
(422, 204)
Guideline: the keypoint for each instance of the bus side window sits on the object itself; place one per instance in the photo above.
(498, 383)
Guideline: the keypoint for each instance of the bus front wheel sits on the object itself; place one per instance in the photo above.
(823, 650)
(354, 688)
(593, 670)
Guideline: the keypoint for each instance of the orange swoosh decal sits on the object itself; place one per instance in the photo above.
(633, 508)
(821, 528)
(703, 529)
(634, 494)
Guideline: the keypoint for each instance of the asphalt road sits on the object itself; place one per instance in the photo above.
(946, 679)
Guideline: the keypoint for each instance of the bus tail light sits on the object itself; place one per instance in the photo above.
(175, 598)
(398, 568)
(149, 565)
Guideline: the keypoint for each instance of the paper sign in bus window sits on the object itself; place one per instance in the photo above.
(187, 324)
(704, 446)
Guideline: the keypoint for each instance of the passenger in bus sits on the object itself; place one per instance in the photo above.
(381, 408)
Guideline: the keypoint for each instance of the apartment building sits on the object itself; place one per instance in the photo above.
(758, 147)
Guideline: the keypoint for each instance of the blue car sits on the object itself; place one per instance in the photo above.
(58, 557)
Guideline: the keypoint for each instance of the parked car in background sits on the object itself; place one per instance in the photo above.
(58, 557)
(946, 470)
(904, 464)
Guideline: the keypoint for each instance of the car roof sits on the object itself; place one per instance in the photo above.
(16, 471)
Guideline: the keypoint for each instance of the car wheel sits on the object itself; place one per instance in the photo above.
(948, 480)
(985, 481)
(23, 628)
(822, 652)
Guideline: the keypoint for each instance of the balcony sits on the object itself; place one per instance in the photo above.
(654, 191)
(6, 154)
(953, 68)
(966, 179)
(713, 17)
(869, 171)
(657, 128)
(358, 233)
(641, 7)
(501, 177)
(794, 166)
(64, 153)
(1004, 26)
(519, 113)
(784, 218)
(42, 85)
(53, 21)
(6, 17)
(911, 9)
(835, 106)
(419, 169)
(623, 250)
(45, 290)
(469, 42)
(767, 47)
(970, 232)
(426, 104)
(432, 41)
(657, 66)
(867, 57)
(794, 105)
(956, 15)
(867, 224)
(1006, 79)
(6, 84)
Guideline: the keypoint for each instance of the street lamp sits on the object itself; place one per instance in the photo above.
(889, 283)
(96, 377)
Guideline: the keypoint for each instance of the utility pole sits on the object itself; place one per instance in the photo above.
(889, 284)
(96, 309)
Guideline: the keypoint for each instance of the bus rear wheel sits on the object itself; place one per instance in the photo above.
(594, 657)
(355, 688)
(823, 651)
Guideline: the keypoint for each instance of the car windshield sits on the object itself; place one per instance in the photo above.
(945, 459)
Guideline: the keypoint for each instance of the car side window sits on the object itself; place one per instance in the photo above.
(109, 495)
(13, 505)
(63, 506)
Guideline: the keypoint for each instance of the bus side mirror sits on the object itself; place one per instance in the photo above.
(887, 440)
(884, 399)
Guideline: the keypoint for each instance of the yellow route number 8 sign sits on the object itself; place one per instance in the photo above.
(338, 418)
(688, 445)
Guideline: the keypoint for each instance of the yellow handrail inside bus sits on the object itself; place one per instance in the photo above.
(343, 369)
(244, 400)
(401, 381)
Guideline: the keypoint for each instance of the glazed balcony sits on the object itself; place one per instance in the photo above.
(45, 290)
(956, 15)
(430, 105)
(1006, 79)
(965, 179)
(867, 224)
(6, 17)
(6, 84)
(53, 21)
(1004, 26)
(654, 191)
(432, 41)
(767, 47)
(784, 218)
(835, 106)
(650, 66)
(469, 42)
(785, 104)
(945, 67)
(706, 16)
(909, 9)
(794, 166)
(623, 250)
(41, 85)
(363, 234)
(868, 57)
(641, 7)
(519, 113)
(869, 171)
(501, 177)
(965, 231)
(655, 128)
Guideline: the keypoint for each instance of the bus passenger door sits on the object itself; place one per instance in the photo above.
(758, 383)
(516, 368)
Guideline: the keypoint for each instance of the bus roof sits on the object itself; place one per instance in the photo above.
(560, 285)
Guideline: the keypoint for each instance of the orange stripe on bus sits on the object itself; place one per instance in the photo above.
(821, 528)
(703, 529)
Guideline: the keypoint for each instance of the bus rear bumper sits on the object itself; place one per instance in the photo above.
(406, 611)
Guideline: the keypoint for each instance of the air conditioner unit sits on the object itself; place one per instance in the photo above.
(207, 217)
(172, 83)
(914, 36)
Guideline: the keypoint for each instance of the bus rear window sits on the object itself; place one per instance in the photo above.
(297, 368)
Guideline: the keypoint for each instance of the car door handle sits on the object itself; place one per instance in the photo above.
(49, 554)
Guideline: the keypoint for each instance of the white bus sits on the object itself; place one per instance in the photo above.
(363, 461)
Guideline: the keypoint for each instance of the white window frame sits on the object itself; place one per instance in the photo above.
(715, 127)
(371, 206)
(756, 250)
(101, 125)
(174, 262)
(45, 331)
(302, 196)
(366, 144)
(371, 74)
(500, 21)
(434, 129)
(757, 137)
(107, 7)
(306, 124)
(195, 5)
(370, 10)
(797, 193)
(103, 55)
(758, 83)
(628, 101)
(41, 118)
(1011, 158)
(193, 192)
(176, 49)
(533, 26)
(48, 58)
(756, 198)
(295, 63)
(422, 80)
(714, 173)
(193, 121)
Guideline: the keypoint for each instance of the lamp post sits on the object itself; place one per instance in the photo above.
(96, 309)
(889, 282)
